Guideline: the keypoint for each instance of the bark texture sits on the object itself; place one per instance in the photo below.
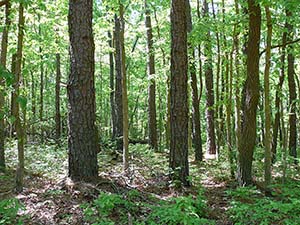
(250, 97)
(178, 92)
(82, 136)
(152, 126)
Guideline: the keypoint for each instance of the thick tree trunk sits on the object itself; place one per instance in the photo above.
(179, 105)
(82, 138)
(292, 92)
(57, 100)
(4, 43)
(267, 100)
(118, 85)
(152, 128)
(19, 126)
(208, 71)
(112, 87)
(250, 97)
(197, 141)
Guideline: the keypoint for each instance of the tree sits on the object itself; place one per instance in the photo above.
(82, 137)
(195, 98)
(152, 128)
(179, 105)
(209, 84)
(3, 58)
(250, 97)
(57, 100)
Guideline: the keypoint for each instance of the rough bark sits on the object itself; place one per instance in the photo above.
(82, 136)
(250, 97)
(118, 84)
(4, 43)
(267, 100)
(208, 71)
(19, 126)
(196, 126)
(124, 91)
(292, 92)
(152, 127)
(179, 105)
(57, 100)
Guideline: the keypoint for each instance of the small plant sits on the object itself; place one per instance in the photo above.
(8, 212)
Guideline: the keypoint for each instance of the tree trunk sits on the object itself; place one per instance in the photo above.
(292, 92)
(124, 90)
(57, 100)
(13, 94)
(151, 76)
(4, 43)
(19, 126)
(179, 105)
(267, 100)
(82, 138)
(208, 70)
(197, 141)
(250, 97)
(118, 85)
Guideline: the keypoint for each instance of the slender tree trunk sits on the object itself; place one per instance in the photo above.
(57, 100)
(33, 104)
(267, 100)
(118, 85)
(179, 105)
(124, 90)
(13, 94)
(4, 43)
(112, 86)
(151, 88)
(292, 92)
(208, 70)
(19, 126)
(250, 97)
(195, 98)
(82, 138)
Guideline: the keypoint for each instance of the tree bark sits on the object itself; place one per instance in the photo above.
(152, 127)
(208, 71)
(179, 105)
(118, 84)
(292, 91)
(267, 100)
(250, 97)
(57, 100)
(4, 44)
(197, 141)
(82, 137)
(19, 126)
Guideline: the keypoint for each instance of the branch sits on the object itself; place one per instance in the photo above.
(281, 45)
(4, 2)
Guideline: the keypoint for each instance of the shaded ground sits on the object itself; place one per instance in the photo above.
(50, 198)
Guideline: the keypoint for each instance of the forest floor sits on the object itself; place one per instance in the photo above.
(51, 198)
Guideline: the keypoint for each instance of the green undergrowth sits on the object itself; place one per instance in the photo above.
(249, 206)
(9, 212)
(134, 208)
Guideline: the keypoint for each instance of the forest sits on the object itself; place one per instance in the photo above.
(149, 112)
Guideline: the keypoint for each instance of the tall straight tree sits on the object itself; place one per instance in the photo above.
(179, 99)
(57, 99)
(82, 137)
(118, 84)
(209, 84)
(292, 90)
(152, 128)
(250, 97)
(4, 43)
(197, 141)
(18, 122)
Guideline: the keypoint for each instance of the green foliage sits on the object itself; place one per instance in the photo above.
(184, 210)
(8, 212)
(249, 208)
